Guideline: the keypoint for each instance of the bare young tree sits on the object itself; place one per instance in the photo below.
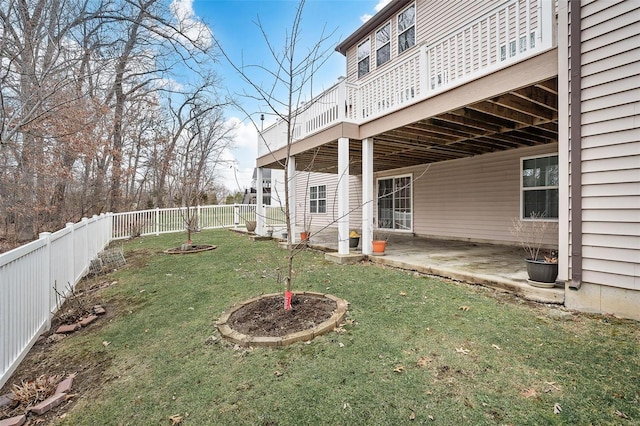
(290, 72)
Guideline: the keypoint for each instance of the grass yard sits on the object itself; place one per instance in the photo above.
(414, 349)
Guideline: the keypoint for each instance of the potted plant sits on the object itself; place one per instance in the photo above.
(379, 245)
(542, 266)
(306, 233)
(251, 226)
(354, 239)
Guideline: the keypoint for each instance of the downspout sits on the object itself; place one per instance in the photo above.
(576, 148)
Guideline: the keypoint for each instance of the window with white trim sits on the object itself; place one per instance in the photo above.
(383, 44)
(539, 187)
(395, 205)
(364, 52)
(407, 28)
(318, 199)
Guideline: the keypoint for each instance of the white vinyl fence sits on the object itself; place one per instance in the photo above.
(36, 277)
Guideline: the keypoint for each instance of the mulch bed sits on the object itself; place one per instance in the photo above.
(267, 316)
(193, 248)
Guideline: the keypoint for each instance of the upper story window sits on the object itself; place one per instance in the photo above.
(407, 28)
(540, 181)
(364, 50)
(383, 44)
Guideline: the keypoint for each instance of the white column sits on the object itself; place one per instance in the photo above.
(292, 195)
(260, 210)
(343, 196)
(367, 196)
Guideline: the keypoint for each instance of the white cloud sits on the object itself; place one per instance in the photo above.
(381, 4)
(189, 25)
(378, 7)
(238, 162)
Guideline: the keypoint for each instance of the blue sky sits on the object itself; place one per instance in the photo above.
(233, 25)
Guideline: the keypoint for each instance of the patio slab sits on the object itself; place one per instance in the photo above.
(497, 266)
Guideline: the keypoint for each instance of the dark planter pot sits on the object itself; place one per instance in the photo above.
(251, 226)
(542, 272)
(353, 242)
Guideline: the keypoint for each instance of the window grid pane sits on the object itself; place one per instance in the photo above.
(540, 180)
(394, 203)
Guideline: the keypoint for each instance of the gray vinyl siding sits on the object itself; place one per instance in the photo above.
(305, 180)
(610, 102)
(434, 19)
(473, 199)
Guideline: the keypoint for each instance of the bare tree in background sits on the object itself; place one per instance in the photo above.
(86, 90)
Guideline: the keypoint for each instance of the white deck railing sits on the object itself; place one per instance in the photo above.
(510, 33)
(36, 277)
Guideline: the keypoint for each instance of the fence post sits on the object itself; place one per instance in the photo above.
(198, 227)
(157, 221)
(95, 243)
(111, 220)
(71, 261)
(48, 277)
(236, 215)
(85, 249)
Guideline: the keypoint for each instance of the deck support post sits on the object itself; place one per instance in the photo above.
(343, 196)
(291, 171)
(367, 196)
(260, 208)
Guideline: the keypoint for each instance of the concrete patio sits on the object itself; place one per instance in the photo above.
(491, 265)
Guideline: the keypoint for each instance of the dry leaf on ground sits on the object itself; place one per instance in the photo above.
(621, 414)
(399, 369)
(422, 362)
(529, 393)
(462, 351)
(557, 409)
(176, 419)
(496, 347)
(402, 293)
(464, 308)
(412, 416)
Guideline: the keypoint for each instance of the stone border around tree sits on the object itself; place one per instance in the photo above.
(178, 250)
(277, 341)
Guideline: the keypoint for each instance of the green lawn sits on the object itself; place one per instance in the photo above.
(414, 349)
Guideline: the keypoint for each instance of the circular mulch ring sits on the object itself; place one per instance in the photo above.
(263, 321)
(195, 248)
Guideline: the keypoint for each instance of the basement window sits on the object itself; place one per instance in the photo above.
(539, 187)
(318, 199)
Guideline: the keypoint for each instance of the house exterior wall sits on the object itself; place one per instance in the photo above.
(474, 199)
(434, 19)
(305, 180)
(610, 151)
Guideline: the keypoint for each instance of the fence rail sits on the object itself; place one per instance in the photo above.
(36, 278)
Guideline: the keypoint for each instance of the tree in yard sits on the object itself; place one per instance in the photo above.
(199, 155)
(290, 76)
